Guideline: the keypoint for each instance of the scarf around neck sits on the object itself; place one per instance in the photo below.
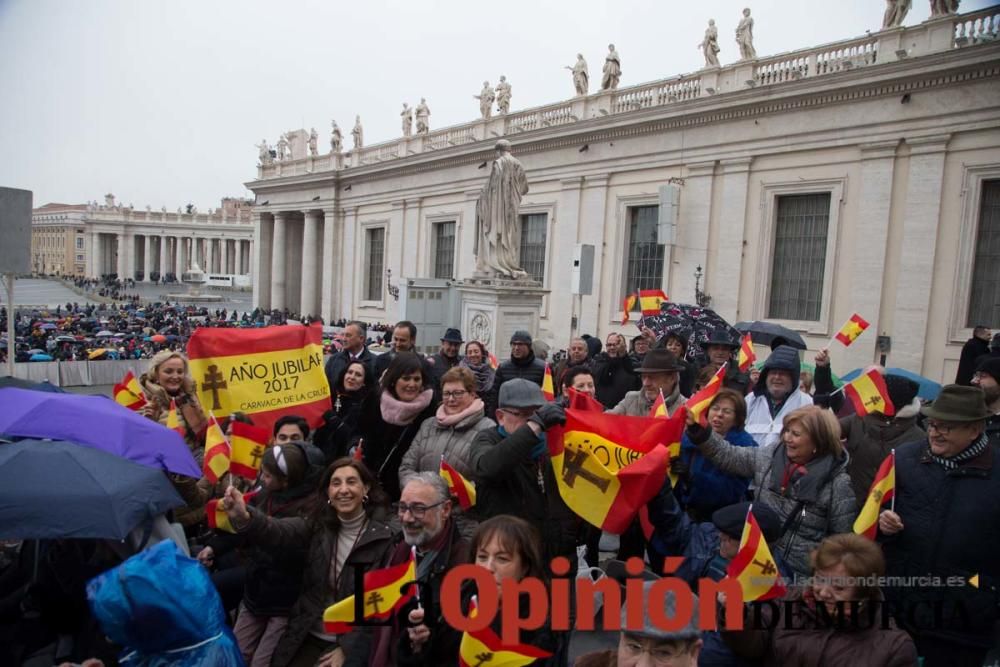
(803, 481)
(967, 454)
(444, 420)
(401, 413)
(484, 374)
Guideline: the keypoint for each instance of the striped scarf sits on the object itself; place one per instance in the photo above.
(967, 454)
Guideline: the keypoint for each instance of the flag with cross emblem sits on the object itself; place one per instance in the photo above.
(385, 591)
(882, 490)
(753, 566)
(483, 648)
(609, 466)
(246, 449)
(266, 373)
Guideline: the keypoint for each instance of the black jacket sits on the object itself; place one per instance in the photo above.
(386, 443)
(528, 368)
(336, 364)
(971, 351)
(614, 377)
(341, 426)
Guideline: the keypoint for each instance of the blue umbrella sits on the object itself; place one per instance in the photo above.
(40, 357)
(929, 389)
(57, 489)
(98, 422)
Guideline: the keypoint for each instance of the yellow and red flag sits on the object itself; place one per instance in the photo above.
(548, 386)
(699, 402)
(459, 487)
(266, 373)
(385, 591)
(581, 401)
(869, 394)
(129, 393)
(659, 408)
(173, 420)
(217, 519)
(747, 355)
(882, 490)
(216, 451)
(753, 566)
(850, 331)
(627, 306)
(659, 411)
(484, 647)
(247, 450)
(608, 466)
(650, 300)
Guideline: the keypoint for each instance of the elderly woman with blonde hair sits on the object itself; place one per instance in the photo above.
(802, 477)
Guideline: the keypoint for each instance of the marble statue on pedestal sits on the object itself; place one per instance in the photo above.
(407, 118)
(503, 95)
(282, 147)
(581, 77)
(264, 155)
(358, 133)
(744, 37)
(423, 117)
(336, 138)
(895, 12)
(710, 45)
(944, 7)
(497, 243)
(612, 69)
(313, 141)
(485, 98)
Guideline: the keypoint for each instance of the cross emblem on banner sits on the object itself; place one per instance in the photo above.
(573, 468)
(373, 599)
(767, 567)
(257, 453)
(482, 659)
(214, 381)
(877, 495)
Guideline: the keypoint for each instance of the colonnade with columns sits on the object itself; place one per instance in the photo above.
(127, 254)
(294, 260)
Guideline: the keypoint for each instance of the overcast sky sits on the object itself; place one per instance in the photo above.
(162, 102)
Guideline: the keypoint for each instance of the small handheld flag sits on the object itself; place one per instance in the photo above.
(484, 647)
(129, 393)
(382, 596)
(247, 450)
(459, 487)
(627, 306)
(216, 451)
(173, 420)
(218, 519)
(747, 355)
(883, 489)
(850, 331)
(659, 408)
(753, 566)
(650, 300)
(698, 404)
(869, 394)
(548, 386)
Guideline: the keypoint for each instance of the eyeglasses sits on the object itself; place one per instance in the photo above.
(722, 411)
(941, 427)
(417, 510)
(453, 394)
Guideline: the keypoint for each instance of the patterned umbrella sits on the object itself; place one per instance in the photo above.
(691, 323)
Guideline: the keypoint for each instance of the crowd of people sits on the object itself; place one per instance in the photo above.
(363, 491)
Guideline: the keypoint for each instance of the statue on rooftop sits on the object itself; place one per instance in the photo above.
(313, 141)
(264, 152)
(503, 95)
(895, 12)
(497, 243)
(282, 147)
(358, 133)
(581, 77)
(407, 115)
(612, 69)
(336, 138)
(710, 45)
(944, 7)
(423, 117)
(744, 37)
(485, 98)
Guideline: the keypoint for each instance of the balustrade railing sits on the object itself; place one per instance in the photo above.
(978, 27)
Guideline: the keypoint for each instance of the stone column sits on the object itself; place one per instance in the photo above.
(919, 245)
(310, 234)
(564, 230)
(724, 285)
(411, 239)
(348, 266)
(162, 268)
(120, 266)
(147, 257)
(177, 257)
(238, 260)
(278, 262)
(210, 255)
(328, 271)
(595, 308)
(690, 249)
(261, 260)
(95, 255)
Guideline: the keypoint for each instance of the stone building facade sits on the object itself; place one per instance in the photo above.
(858, 176)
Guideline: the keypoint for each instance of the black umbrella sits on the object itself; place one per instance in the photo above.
(771, 334)
(55, 489)
(691, 323)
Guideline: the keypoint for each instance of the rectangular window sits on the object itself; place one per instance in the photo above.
(444, 250)
(984, 301)
(644, 266)
(79, 243)
(799, 260)
(534, 230)
(375, 243)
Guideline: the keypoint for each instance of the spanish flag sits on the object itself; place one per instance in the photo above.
(699, 402)
(483, 647)
(247, 450)
(659, 411)
(869, 394)
(129, 393)
(386, 590)
(266, 373)
(459, 487)
(747, 355)
(173, 420)
(216, 451)
(883, 488)
(581, 401)
(627, 306)
(218, 519)
(548, 387)
(754, 566)
(608, 466)
(854, 328)
(659, 408)
(650, 300)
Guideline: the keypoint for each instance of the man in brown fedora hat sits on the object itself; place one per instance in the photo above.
(660, 372)
(945, 525)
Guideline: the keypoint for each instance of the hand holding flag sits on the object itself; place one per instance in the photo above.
(753, 566)
(883, 488)
(216, 451)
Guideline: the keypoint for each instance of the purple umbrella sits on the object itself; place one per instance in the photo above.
(98, 422)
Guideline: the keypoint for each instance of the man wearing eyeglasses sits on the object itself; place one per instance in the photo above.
(424, 511)
(945, 524)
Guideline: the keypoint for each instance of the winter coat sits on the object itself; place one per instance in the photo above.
(870, 438)
(341, 426)
(972, 350)
(529, 368)
(509, 481)
(385, 443)
(807, 638)
(817, 504)
(370, 553)
(761, 424)
(635, 403)
(614, 377)
(950, 529)
(337, 362)
(439, 365)
(434, 441)
(709, 488)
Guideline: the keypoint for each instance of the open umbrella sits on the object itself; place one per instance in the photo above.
(65, 339)
(21, 383)
(48, 326)
(690, 322)
(97, 354)
(97, 422)
(104, 334)
(40, 356)
(56, 489)
(929, 389)
(764, 333)
(158, 338)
